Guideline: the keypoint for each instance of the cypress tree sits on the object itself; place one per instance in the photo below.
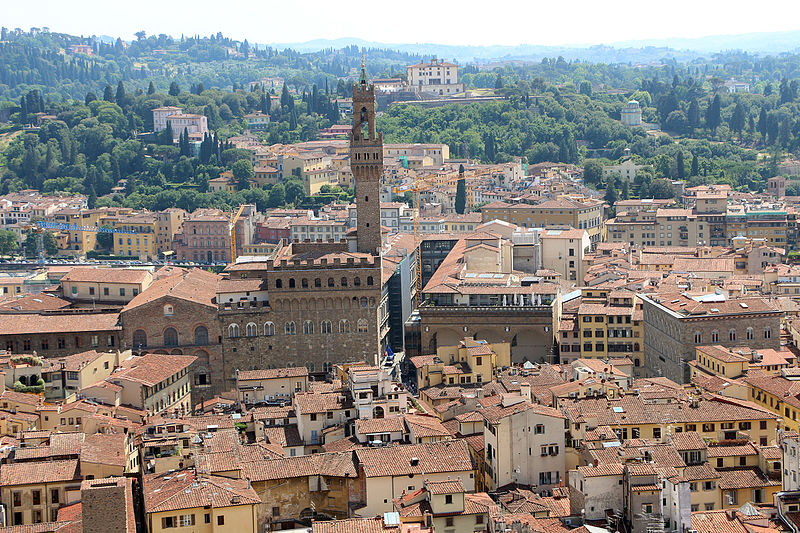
(680, 167)
(695, 165)
(119, 98)
(108, 93)
(151, 89)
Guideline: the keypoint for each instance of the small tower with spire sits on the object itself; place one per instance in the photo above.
(366, 164)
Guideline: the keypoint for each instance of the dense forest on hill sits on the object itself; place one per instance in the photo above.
(551, 110)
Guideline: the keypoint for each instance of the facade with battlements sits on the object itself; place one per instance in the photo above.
(314, 303)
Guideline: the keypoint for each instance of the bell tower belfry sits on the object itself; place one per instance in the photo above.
(366, 164)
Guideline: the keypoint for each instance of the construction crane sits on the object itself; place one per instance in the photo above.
(42, 225)
(234, 220)
(414, 189)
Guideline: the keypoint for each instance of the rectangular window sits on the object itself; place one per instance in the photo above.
(37, 497)
(221, 520)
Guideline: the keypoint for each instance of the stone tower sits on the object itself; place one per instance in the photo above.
(366, 164)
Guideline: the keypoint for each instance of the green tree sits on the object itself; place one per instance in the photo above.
(151, 89)
(662, 188)
(8, 242)
(762, 124)
(586, 88)
(277, 196)
(174, 90)
(611, 191)
(108, 93)
(31, 245)
(695, 165)
(693, 114)
(104, 241)
(785, 132)
(120, 97)
(713, 115)
(243, 173)
(738, 119)
(461, 195)
(592, 172)
(680, 166)
(498, 83)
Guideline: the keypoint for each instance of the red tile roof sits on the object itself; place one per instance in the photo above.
(175, 491)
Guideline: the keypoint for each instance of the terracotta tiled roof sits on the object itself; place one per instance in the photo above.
(688, 440)
(327, 464)
(272, 373)
(286, 435)
(175, 491)
(39, 472)
(425, 426)
(42, 527)
(450, 486)
(742, 478)
(311, 402)
(634, 410)
(105, 449)
(106, 275)
(366, 426)
(443, 456)
(63, 445)
(150, 369)
(700, 472)
(352, 525)
(198, 286)
(33, 302)
(26, 324)
(746, 448)
(610, 469)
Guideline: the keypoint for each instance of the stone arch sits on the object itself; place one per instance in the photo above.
(170, 336)
(176, 351)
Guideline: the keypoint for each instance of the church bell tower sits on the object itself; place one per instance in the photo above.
(366, 164)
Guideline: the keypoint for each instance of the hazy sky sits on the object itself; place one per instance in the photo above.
(506, 22)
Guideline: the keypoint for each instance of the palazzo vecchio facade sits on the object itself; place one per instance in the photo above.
(314, 303)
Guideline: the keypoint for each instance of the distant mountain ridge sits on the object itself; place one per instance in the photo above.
(632, 51)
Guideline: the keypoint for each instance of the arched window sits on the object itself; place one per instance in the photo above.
(325, 326)
(356, 281)
(767, 333)
(308, 328)
(330, 282)
(278, 283)
(715, 336)
(362, 325)
(317, 283)
(290, 329)
(139, 339)
(233, 331)
(635, 346)
(291, 283)
(698, 338)
(201, 335)
(637, 362)
(344, 326)
(344, 282)
(372, 302)
(304, 283)
(370, 280)
(269, 329)
(732, 335)
(251, 330)
(750, 334)
(364, 301)
(169, 310)
(170, 337)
